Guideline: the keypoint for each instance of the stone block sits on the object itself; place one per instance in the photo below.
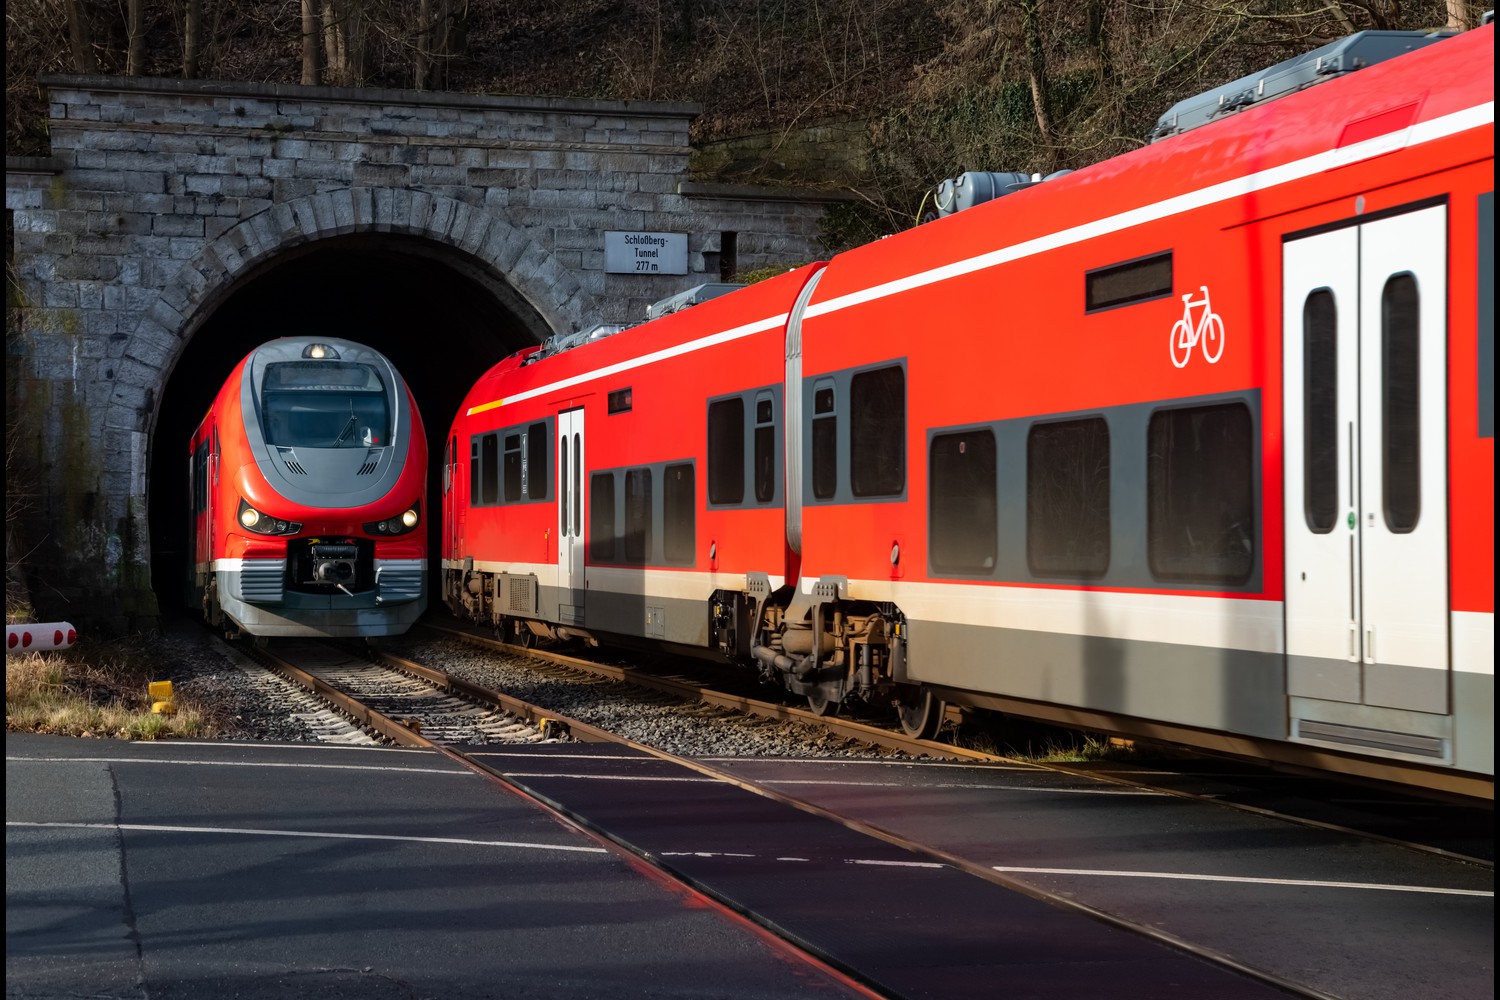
(177, 225)
(382, 174)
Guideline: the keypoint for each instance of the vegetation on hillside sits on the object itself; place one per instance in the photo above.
(937, 86)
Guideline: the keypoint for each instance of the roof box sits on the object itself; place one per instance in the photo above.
(1334, 59)
(691, 297)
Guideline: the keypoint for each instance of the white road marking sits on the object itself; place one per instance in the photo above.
(901, 864)
(315, 834)
(239, 763)
(1245, 879)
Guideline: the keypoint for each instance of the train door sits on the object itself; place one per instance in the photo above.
(1365, 407)
(570, 489)
(454, 503)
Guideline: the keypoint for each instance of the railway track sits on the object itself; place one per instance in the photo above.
(1455, 830)
(416, 705)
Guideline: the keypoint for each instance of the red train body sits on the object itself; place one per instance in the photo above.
(1196, 443)
(308, 481)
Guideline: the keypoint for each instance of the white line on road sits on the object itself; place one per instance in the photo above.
(1311, 883)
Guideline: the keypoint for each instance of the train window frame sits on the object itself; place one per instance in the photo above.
(1095, 279)
(603, 525)
(824, 453)
(511, 475)
(1168, 522)
(974, 527)
(489, 469)
(1320, 401)
(763, 447)
(536, 461)
(877, 433)
(1401, 403)
(1057, 514)
(726, 451)
(636, 538)
(679, 513)
(621, 400)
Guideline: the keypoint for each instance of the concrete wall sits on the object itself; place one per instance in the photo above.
(161, 197)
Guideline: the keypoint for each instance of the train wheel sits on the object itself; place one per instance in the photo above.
(820, 702)
(920, 713)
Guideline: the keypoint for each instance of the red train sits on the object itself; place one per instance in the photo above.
(308, 481)
(1194, 444)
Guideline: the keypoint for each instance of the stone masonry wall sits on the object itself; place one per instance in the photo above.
(161, 195)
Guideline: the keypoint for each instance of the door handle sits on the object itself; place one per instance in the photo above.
(1369, 643)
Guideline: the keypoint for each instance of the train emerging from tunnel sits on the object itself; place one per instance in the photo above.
(307, 481)
(959, 464)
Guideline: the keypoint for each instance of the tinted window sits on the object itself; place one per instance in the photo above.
(534, 472)
(765, 451)
(962, 511)
(474, 493)
(602, 517)
(637, 515)
(1067, 498)
(1401, 446)
(1200, 507)
(877, 432)
(489, 468)
(1320, 409)
(512, 467)
(825, 454)
(726, 451)
(677, 491)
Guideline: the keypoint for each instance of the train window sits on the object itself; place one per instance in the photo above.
(534, 462)
(474, 470)
(637, 516)
(1401, 445)
(1129, 282)
(489, 469)
(877, 432)
(765, 450)
(325, 405)
(1320, 399)
(512, 468)
(825, 450)
(680, 531)
(1200, 506)
(621, 401)
(601, 516)
(962, 516)
(1067, 498)
(726, 451)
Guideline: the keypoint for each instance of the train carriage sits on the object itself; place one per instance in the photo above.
(1196, 443)
(307, 482)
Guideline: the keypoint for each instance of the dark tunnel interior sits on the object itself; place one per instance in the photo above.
(439, 319)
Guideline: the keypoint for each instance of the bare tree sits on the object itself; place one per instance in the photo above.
(81, 38)
(1036, 75)
(192, 37)
(310, 74)
(135, 37)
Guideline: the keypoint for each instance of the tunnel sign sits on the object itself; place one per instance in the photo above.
(645, 253)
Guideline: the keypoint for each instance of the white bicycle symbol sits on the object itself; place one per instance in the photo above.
(1209, 331)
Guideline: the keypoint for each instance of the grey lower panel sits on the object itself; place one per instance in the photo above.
(649, 617)
(299, 614)
(1232, 690)
(1323, 678)
(1474, 722)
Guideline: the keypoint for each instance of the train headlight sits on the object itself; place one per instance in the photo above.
(263, 524)
(399, 524)
(320, 352)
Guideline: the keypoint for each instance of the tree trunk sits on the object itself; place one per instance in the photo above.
(81, 38)
(310, 74)
(1036, 74)
(1458, 15)
(135, 37)
(422, 63)
(192, 37)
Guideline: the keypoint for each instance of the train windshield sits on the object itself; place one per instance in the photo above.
(325, 404)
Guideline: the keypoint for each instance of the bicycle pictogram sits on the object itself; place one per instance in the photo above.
(1209, 331)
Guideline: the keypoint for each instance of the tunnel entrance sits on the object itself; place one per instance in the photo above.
(438, 315)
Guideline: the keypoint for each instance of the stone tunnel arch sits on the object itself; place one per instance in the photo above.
(442, 288)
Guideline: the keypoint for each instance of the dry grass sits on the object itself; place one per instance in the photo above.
(96, 689)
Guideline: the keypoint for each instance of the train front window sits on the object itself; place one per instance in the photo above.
(325, 405)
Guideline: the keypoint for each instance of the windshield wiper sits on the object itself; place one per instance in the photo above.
(348, 426)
